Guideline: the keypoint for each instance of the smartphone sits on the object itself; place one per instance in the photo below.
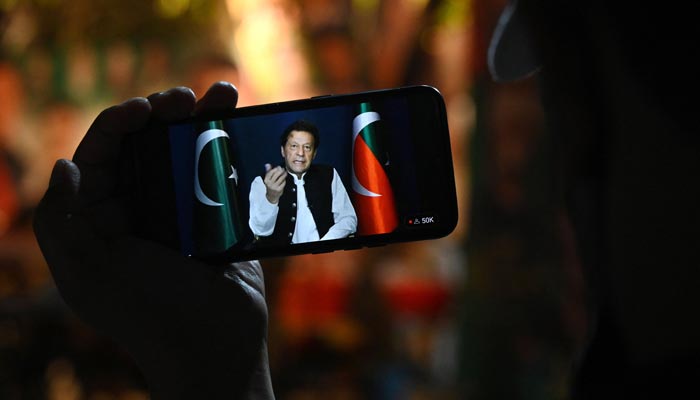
(328, 173)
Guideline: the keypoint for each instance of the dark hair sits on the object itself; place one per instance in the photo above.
(302, 126)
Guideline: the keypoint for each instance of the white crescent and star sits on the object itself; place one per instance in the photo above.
(202, 141)
(234, 175)
(358, 124)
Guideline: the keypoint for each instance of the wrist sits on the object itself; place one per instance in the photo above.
(212, 378)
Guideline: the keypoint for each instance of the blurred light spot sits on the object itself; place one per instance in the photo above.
(201, 10)
(454, 13)
(61, 382)
(267, 48)
(365, 5)
(20, 29)
(171, 8)
(240, 8)
(419, 3)
(7, 5)
(47, 3)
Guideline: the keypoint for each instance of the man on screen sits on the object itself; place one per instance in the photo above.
(300, 201)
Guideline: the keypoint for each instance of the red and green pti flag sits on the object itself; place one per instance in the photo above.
(372, 192)
(217, 225)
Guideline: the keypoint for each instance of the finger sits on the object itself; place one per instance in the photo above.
(59, 199)
(273, 176)
(268, 167)
(282, 185)
(279, 171)
(279, 183)
(220, 96)
(277, 189)
(102, 146)
(172, 105)
(270, 174)
(102, 142)
(276, 186)
(59, 228)
(281, 176)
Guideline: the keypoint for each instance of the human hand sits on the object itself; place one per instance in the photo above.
(195, 331)
(275, 180)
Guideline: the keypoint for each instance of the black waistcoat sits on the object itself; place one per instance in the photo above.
(317, 185)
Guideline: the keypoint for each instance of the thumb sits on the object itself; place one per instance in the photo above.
(268, 167)
(63, 184)
(59, 200)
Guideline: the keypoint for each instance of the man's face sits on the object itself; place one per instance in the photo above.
(298, 152)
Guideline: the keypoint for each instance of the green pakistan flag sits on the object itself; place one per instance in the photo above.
(216, 223)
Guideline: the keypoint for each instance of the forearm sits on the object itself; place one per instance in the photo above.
(213, 378)
(343, 212)
(341, 229)
(262, 224)
(214, 345)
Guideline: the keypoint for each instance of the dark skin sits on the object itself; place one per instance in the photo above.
(196, 331)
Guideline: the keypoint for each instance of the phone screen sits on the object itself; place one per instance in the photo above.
(343, 172)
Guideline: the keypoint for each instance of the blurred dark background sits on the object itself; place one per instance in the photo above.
(493, 311)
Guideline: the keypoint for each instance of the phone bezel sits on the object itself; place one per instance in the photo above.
(447, 209)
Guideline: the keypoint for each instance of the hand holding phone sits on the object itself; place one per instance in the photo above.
(194, 330)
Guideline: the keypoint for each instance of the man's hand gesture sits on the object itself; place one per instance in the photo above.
(275, 180)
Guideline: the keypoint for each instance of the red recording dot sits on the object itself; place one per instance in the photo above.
(410, 221)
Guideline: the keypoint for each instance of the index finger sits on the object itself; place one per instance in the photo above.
(102, 142)
(220, 96)
(273, 174)
(100, 156)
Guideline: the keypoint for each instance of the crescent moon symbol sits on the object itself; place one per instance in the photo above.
(358, 124)
(202, 141)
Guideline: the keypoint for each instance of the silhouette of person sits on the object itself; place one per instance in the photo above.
(619, 88)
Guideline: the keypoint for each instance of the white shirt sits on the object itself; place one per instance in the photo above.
(263, 214)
